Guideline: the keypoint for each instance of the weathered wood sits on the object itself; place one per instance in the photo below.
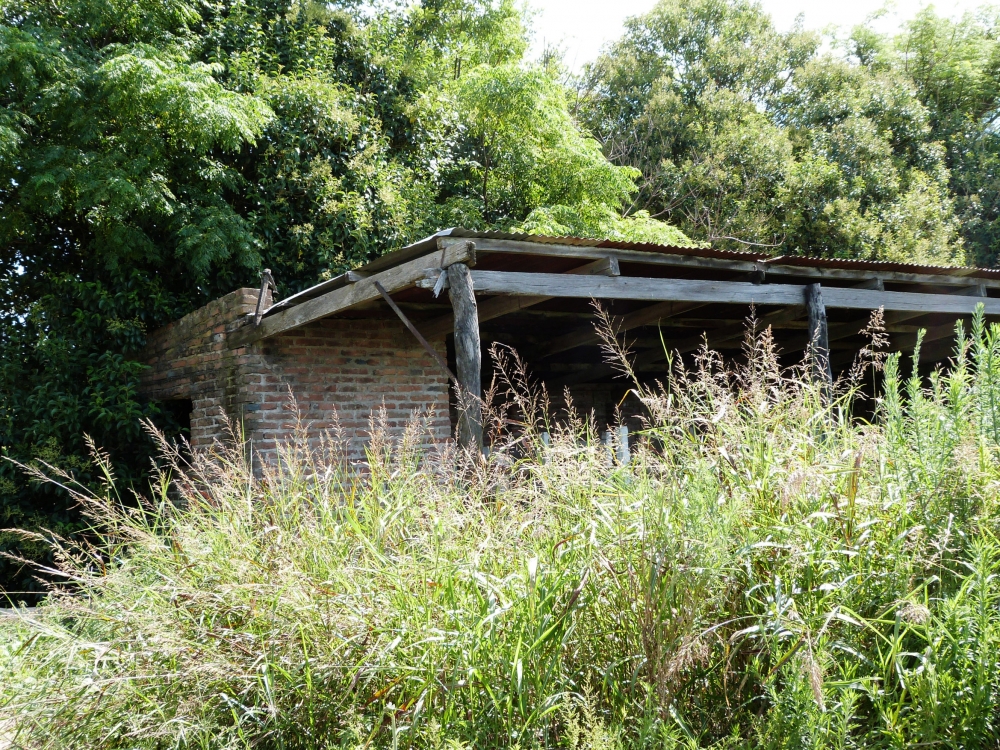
(500, 306)
(344, 298)
(719, 292)
(588, 336)
(412, 329)
(976, 290)
(717, 338)
(819, 339)
(772, 267)
(633, 288)
(877, 284)
(906, 341)
(266, 297)
(938, 341)
(468, 357)
(521, 247)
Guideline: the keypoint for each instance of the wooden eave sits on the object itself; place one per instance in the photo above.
(514, 276)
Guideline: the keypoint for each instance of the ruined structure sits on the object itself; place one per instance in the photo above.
(393, 333)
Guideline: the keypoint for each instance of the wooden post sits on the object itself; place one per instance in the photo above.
(624, 454)
(468, 357)
(607, 440)
(819, 340)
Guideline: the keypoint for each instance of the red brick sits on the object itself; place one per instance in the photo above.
(339, 370)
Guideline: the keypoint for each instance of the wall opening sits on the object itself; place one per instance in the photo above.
(177, 418)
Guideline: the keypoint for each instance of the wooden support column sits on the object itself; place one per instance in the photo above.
(819, 339)
(468, 357)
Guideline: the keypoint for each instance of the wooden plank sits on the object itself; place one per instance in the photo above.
(338, 300)
(416, 334)
(468, 357)
(958, 277)
(500, 306)
(517, 247)
(587, 336)
(634, 288)
(916, 302)
(976, 290)
(906, 341)
(717, 338)
(819, 340)
(720, 292)
(939, 341)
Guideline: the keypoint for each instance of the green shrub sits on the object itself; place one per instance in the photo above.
(765, 571)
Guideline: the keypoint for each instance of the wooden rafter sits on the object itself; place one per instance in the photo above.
(646, 360)
(344, 298)
(500, 306)
(770, 268)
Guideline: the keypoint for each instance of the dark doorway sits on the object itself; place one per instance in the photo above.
(176, 420)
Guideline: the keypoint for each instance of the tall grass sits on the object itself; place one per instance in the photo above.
(765, 571)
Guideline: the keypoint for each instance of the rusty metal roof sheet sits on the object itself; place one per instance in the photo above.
(694, 250)
(885, 266)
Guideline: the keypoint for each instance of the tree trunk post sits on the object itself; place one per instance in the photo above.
(819, 341)
(468, 357)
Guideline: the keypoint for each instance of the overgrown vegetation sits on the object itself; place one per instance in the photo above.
(155, 155)
(764, 571)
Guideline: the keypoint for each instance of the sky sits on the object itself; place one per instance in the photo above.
(582, 27)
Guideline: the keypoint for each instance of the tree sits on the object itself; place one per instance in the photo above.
(746, 136)
(955, 68)
(116, 212)
(156, 154)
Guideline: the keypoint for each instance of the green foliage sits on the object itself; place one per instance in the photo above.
(155, 155)
(746, 136)
(113, 218)
(954, 67)
(764, 572)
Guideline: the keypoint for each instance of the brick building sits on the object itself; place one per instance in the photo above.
(346, 366)
(345, 348)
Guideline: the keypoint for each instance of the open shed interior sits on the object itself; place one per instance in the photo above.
(538, 295)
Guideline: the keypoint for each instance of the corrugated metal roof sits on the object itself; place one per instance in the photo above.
(856, 264)
(693, 249)
(428, 244)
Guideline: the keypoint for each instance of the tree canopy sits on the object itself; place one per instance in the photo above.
(869, 146)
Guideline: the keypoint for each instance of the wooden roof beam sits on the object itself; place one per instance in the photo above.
(644, 361)
(720, 292)
(957, 277)
(344, 298)
(587, 336)
(500, 306)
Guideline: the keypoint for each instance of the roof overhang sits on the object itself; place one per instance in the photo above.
(529, 267)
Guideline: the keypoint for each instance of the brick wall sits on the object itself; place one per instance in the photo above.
(189, 359)
(337, 370)
(349, 367)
